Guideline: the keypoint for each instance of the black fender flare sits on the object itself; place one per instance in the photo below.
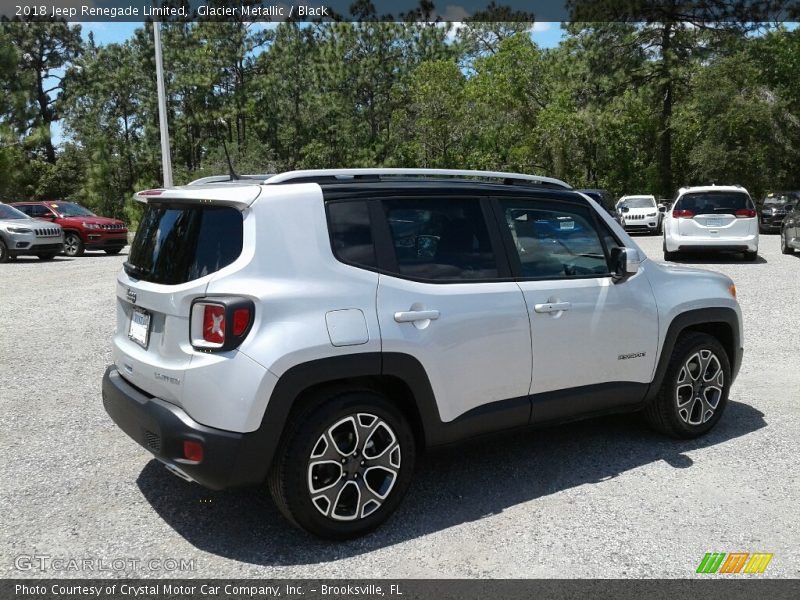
(699, 319)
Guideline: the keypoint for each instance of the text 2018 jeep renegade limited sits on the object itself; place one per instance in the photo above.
(314, 331)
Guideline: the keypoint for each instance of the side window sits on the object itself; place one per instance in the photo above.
(351, 233)
(554, 240)
(37, 210)
(26, 208)
(441, 239)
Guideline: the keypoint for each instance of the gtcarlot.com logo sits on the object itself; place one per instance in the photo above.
(46, 562)
(734, 562)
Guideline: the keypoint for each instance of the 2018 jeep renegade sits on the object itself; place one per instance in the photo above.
(314, 331)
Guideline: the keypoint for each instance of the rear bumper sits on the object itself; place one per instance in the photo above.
(706, 244)
(229, 459)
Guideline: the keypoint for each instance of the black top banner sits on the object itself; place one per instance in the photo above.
(404, 10)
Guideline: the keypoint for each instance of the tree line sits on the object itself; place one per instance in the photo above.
(629, 107)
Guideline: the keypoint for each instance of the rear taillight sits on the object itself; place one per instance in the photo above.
(745, 213)
(683, 214)
(220, 323)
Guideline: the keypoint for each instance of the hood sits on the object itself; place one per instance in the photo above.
(691, 272)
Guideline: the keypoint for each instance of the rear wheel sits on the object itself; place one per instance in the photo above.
(344, 465)
(785, 247)
(73, 246)
(695, 389)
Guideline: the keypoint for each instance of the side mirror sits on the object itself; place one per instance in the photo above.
(624, 262)
(47, 217)
(662, 208)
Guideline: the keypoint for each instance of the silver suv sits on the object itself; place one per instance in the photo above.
(20, 235)
(316, 330)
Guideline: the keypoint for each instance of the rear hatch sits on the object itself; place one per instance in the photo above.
(723, 214)
(186, 236)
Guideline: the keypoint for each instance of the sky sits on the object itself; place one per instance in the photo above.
(545, 34)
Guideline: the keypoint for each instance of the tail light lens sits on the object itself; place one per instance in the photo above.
(220, 323)
(683, 214)
(745, 213)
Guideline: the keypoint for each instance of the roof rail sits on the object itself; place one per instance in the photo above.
(227, 179)
(375, 174)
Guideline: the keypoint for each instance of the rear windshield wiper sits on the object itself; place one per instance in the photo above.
(134, 270)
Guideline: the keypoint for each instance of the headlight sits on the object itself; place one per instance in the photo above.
(651, 214)
(13, 229)
(91, 225)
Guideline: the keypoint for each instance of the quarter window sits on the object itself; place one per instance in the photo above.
(351, 233)
(554, 241)
(441, 239)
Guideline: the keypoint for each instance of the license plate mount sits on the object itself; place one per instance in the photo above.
(139, 329)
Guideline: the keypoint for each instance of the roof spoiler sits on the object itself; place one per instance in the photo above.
(240, 195)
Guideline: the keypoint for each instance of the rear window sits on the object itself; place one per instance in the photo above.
(176, 244)
(709, 203)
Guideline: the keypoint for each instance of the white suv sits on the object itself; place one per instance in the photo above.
(712, 218)
(640, 213)
(317, 330)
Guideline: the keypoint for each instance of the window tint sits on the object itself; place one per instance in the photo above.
(351, 233)
(176, 244)
(555, 241)
(440, 239)
(37, 210)
(706, 203)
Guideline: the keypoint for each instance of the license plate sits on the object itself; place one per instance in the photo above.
(139, 331)
(713, 222)
(567, 224)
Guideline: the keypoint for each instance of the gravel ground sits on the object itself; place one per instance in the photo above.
(603, 498)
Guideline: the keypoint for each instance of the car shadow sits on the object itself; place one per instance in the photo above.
(697, 258)
(451, 486)
(35, 259)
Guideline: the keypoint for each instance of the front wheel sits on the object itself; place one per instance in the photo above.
(73, 246)
(344, 465)
(695, 389)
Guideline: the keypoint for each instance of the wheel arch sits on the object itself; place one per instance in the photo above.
(722, 323)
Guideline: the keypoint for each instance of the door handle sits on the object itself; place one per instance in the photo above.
(551, 307)
(416, 315)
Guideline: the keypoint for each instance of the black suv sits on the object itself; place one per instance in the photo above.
(773, 209)
(604, 199)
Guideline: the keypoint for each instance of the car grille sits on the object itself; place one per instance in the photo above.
(45, 232)
(114, 226)
(152, 440)
(634, 217)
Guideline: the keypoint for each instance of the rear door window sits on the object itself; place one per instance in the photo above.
(443, 239)
(178, 243)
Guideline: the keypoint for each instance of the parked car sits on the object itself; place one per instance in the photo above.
(773, 209)
(712, 218)
(790, 230)
(22, 236)
(604, 199)
(641, 213)
(83, 230)
(319, 329)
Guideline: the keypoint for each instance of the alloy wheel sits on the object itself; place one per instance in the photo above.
(72, 245)
(353, 467)
(699, 387)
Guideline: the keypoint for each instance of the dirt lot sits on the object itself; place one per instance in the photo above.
(603, 498)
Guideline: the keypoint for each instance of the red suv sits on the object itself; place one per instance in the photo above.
(83, 230)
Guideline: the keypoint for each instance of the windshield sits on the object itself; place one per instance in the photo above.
(708, 203)
(777, 200)
(9, 212)
(175, 244)
(639, 202)
(70, 209)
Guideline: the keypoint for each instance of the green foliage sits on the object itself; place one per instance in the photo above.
(633, 108)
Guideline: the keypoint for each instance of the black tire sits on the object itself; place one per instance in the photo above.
(668, 255)
(307, 433)
(3, 252)
(47, 256)
(665, 414)
(785, 247)
(750, 256)
(73, 245)
(113, 251)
